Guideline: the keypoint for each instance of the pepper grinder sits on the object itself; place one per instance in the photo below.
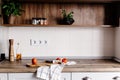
(11, 50)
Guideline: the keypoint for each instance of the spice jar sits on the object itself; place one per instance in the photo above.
(41, 21)
(35, 21)
(45, 22)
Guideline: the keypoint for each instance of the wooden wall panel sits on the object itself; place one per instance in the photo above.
(71, 1)
(84, 14)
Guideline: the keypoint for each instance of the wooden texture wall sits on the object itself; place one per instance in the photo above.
(84, 14)
(71, 1)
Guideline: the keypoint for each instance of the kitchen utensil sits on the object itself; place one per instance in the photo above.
(11, 50)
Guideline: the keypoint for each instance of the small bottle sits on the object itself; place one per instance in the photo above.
(18, 53)
(41, 21)
(45, 22)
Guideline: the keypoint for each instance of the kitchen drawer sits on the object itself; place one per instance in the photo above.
(66, 76)
(22, 76)
(31, 76)
(96, 76)
(3, 76)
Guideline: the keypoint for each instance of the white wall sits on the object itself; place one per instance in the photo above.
(117, 40)
(65, 41)
(4, 40)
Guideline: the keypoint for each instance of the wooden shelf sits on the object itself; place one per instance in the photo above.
(85, 15)
(31, 25)
(71, 1)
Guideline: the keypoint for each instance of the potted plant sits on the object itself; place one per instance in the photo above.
(67, 18)
(11, 9)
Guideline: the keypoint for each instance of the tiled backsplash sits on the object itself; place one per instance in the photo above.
(64, 41)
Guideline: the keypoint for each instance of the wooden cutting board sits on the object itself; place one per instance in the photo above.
(38, 65)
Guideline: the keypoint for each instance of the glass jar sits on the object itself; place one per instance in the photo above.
(45, 22)
(18, 53)
(41, 21)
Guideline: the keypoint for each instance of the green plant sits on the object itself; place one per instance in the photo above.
(11, 7)
(65, 15)
(67, 18)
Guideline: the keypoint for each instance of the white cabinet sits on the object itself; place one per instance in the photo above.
(22, 76)
(3, 76)
(66, 76)
(96, 76)
(117, 43)
(31, 76)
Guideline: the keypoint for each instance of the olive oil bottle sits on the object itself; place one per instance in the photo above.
(18, 52)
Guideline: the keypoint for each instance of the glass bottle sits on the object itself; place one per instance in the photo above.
(45, 22)
(41, 21)
(18, 53)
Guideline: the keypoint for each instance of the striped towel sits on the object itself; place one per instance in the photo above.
(43, 72)
(52, 72)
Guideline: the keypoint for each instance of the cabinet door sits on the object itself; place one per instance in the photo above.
(66, 76)
(31, 76)
(3, 76)
(96, 76)
(22, 76)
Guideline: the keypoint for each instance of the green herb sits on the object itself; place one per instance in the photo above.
(65, 15)
(12, 8)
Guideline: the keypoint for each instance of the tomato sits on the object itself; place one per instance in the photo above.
(58, 58)
(64, 60)
(34, 61)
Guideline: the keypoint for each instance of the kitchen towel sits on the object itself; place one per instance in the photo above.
(52, 72)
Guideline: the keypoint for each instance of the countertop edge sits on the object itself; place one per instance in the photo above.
(95, 65)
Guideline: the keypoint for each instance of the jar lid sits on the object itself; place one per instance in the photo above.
(44, 18)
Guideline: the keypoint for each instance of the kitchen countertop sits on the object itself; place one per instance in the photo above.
(83, 65)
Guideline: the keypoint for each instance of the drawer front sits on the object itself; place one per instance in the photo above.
(31, 76)
(3, 76)
(22, 76)
(96, 76)
(66, 76)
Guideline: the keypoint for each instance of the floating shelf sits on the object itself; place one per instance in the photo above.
(85, 15)
(31, 25)
(71, 1)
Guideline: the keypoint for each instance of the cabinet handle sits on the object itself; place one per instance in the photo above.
(64, 78)
(116, 78)
(86, 78)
